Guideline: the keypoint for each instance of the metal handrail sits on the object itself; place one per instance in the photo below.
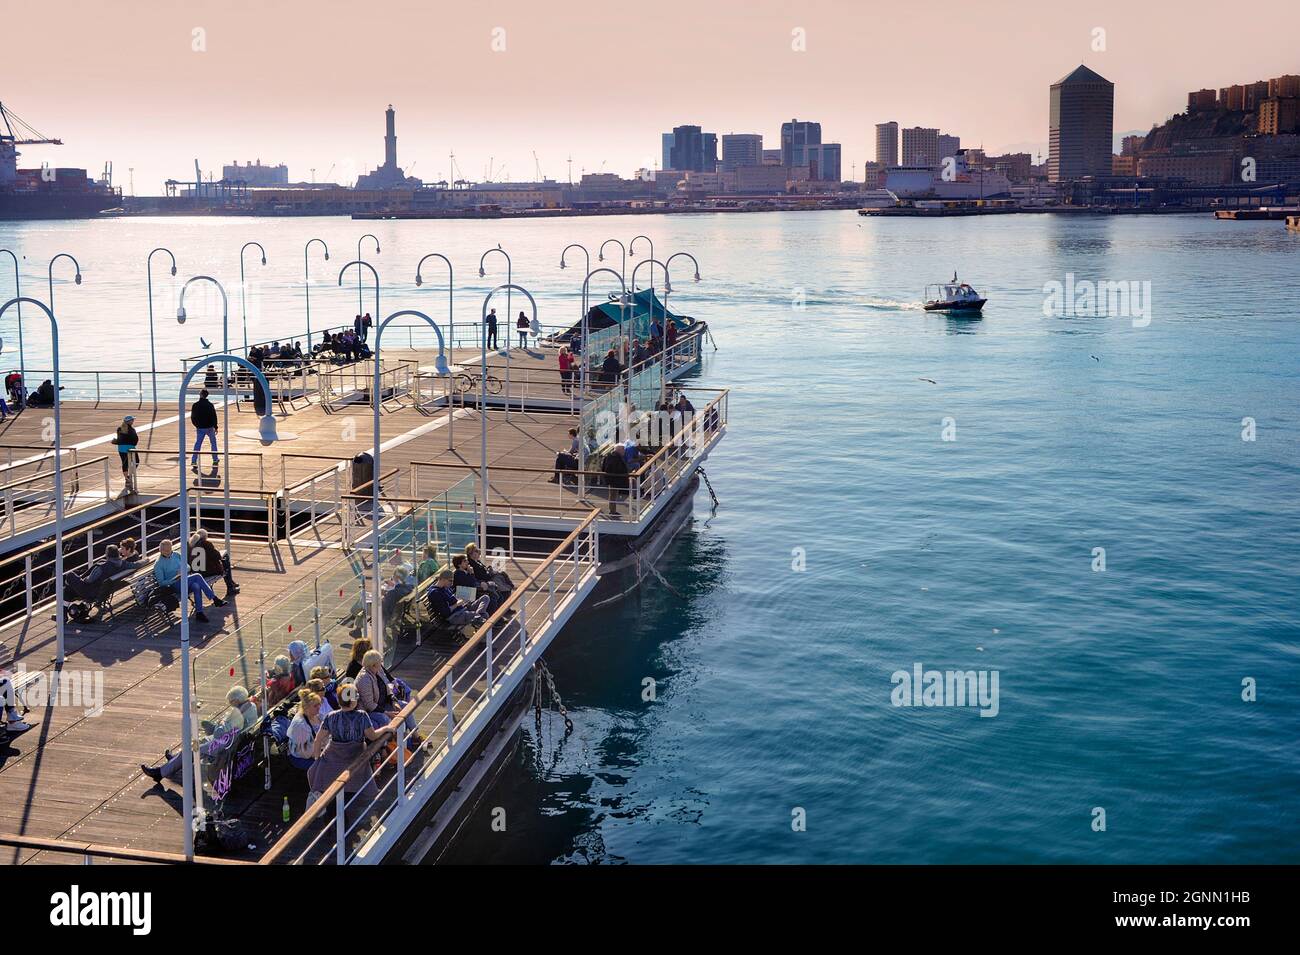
(437, 685)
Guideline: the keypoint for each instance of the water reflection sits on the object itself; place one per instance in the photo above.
(609, 665)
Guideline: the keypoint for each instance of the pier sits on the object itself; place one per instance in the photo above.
(465, 455)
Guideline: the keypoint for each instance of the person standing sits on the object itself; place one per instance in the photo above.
(357, 326)
(521, 326)
(126, 440)
(566, 370)
(204, 418)
(492, 329)
(366, 322)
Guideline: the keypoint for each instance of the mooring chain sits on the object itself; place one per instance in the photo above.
(709, 485)
(555, 695)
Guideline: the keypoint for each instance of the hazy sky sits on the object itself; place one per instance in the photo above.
(306, 83)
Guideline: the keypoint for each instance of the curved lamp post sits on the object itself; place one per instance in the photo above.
(189, 780)
(440, 363)
(622, 274)
(359, 263)
(58, 473)
(582, 401)
(368, 235)
(668, 288)
(451, 315)
(225, 386)
(631, 251)
(243, 290)
(77, 277)
(306, 283)
(582, 358)
(482, 400)
(510, 318)
(663, 335)
(153, 354)
(18, 295)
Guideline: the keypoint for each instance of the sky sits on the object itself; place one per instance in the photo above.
(153, 85)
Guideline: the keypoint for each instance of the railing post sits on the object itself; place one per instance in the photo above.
(144, 531)
(552, 598)
(340, 829)
(450, 702)
(108, 491)
(487, 671)
(522, 619)
(400, 756)
(27, 575)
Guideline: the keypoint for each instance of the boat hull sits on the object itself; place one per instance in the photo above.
(972, 306)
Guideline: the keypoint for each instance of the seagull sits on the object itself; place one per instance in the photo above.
(204, 343)
(1094, 358)
(930, 380)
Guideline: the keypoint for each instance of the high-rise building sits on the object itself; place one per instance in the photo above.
(887, 143)
(796, 137)
(1081, 126)
(920, 146)
(824, 162)
(1278, 116)
(741, 149)
(667, 143)
(771, 157)
(693, 150)
(948, 146)
(1284, 86)
(1201, 100)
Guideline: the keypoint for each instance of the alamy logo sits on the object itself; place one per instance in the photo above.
(1085, 298)
(921, 687)
(76, 908)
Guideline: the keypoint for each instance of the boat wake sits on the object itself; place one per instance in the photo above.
(893, 305)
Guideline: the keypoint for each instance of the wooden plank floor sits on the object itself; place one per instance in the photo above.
(76, 775)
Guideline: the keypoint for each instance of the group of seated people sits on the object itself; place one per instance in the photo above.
(88, 586)
(342, 347)
(467, 592)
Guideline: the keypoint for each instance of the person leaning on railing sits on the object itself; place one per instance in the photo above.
(340, 741)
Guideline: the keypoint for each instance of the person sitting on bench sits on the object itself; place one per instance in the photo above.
(305, 662)
(242, 715)
(14, 722)
(304, 726)
(279, 681)
(214, 562)
(90, 587)
(457, 613)
(566, 461)
(167, 571)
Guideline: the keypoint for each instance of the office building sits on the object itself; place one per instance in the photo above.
(920, 146)
(887, 143)
(796, 137)
(948, 146)
(741, 149)
(667, 143)
(1081, 126)
(693, 150)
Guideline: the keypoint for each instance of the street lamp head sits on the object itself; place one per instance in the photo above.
(481, 273)
(173, 270)
(441, 366)
(78, 278)
(600, 256)
(327, 255)
(697, 276)
(562, 262)
(266, 430)
(264, 260)
(667, 288)
(180, 315)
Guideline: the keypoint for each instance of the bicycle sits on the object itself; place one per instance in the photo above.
(467, 383)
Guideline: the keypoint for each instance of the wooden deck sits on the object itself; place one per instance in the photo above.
(76, 775)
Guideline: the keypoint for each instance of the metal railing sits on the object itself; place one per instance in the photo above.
(448, 711)
(126, 385)
(28, 502)
(90, 851)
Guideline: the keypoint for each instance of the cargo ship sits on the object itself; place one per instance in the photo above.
(46, 192)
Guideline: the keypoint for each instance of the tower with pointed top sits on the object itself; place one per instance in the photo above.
(390, 137)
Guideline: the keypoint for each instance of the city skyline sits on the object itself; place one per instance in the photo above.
(244, 97)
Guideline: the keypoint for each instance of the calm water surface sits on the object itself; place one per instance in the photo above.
(1119, 689)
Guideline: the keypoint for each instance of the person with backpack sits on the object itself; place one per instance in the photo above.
(126, 440)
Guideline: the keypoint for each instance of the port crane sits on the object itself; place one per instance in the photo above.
(10, 141)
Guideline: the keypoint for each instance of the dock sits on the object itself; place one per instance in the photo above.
(302, 536)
